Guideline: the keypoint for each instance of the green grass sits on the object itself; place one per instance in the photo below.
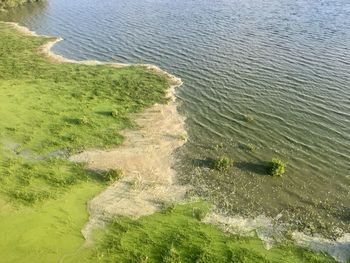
(178, 236)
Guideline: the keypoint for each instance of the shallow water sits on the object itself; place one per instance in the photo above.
(284, 63)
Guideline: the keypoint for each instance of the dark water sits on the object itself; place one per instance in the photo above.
(284, 63)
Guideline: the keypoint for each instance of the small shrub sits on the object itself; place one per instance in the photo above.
(112, 175)
(222, 164)
(168, 207)
(115, 114)
(199, 213)
(84, 120)
(276, 167)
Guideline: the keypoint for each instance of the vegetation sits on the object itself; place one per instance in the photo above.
(51, 110)
(222, 164)
(5, 4)
(179, 236)
(112, 175)
(248, 118)
(276, 167)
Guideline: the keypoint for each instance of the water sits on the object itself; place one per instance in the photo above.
(284, 63)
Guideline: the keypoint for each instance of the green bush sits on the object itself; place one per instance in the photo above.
(112, 175)
(222, 164)
(199, 213)
(276, 167)
(167, 207)
(115, 114)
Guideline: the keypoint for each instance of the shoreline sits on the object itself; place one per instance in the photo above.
(46, 50)
(145, 157)
(132, 185)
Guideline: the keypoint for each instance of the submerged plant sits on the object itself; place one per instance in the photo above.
(248, 118)
(276, 167)
(222, 164)
(219, 146)
(251, 147)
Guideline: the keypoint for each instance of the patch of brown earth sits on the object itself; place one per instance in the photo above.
(146, 160)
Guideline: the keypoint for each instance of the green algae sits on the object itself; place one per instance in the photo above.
(46, 232)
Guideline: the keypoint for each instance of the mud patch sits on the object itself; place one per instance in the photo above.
(146, 160)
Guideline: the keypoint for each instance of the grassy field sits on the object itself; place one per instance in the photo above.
(51, 110)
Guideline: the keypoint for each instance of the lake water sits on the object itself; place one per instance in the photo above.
(285, 64)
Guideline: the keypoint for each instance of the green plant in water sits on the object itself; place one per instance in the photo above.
(251, 147)
(222, 164)
(248, 118)
(276, 167)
